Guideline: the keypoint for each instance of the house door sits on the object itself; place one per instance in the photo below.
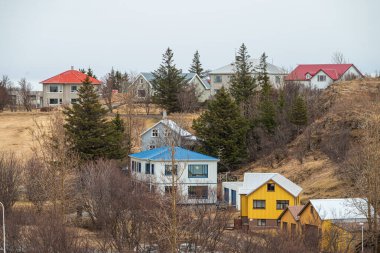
(226, 195)
(233, 198)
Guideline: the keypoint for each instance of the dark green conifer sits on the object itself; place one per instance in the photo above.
(167, 83)
(222, 131)
(196, 66)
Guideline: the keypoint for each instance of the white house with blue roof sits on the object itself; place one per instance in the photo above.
(144, 88)
(196, 174)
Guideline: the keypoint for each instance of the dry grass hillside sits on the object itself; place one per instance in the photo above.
(314, 159)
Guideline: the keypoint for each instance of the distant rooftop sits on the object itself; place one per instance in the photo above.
(230, 68)
(188, 76)
(69, 76)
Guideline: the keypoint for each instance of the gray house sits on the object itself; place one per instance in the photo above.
(143, 86)
(165, 133)
(221, 77)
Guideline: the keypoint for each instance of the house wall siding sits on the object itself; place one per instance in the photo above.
(160, 180)
(270, 211)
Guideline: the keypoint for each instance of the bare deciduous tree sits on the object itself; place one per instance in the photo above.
(338, 58)
(25, 94)
(5, 83)
(10, 179)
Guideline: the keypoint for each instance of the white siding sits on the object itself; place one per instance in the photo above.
(232, 186)
(321, 84)
(160, 180)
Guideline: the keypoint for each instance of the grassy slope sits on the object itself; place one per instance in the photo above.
(346, 106)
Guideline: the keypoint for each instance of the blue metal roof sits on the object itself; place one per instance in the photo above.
(165, 154)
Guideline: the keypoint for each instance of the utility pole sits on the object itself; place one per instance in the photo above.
(2, 206)
(174, 201)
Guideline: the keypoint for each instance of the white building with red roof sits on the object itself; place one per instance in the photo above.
(62, 89)
(322, 75)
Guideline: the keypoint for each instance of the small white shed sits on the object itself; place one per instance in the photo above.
(231, 193)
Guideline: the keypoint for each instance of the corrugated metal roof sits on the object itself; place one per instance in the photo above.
(340, 209)
(334, 71)
(173, 126)
(165, 154)
(188, 76)
(230, 68)
(252, 181)
(149, 76)
(70, 76)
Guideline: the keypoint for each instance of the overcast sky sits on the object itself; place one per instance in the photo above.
(41, 38)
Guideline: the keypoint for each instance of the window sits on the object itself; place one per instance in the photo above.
(198, 170)
(216, 91)
(54, 88)
(152, 169)
(74, 100)
(168, 170)
(168, 189)
(293, 228)
(138, 167)
(261, 223)
(270, 187)
(147, 168)
(133, 166)
(308, 76)
(155, 133)
(282, 204)
(141, 93)
(141, 80)
(74, 89)
(217, 79)
(312, 210)
(321, 78)
(278, 80)
(166, 132)
(259, 204)
(285, 226)
(53, 101)
(198, 192)
(151, 146)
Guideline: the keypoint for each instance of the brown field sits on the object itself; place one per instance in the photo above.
(15, 131)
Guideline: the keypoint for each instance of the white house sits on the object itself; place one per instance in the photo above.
(196, 173)
(322, 75)
(221, 77)
(144, 87)
(165, 133)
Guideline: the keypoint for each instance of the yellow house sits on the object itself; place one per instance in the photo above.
(333, 224)
(289, 219)
(264, 196)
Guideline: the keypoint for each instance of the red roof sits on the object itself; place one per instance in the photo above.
(334, 71)
(70, 76)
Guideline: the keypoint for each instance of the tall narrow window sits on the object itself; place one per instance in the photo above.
(155, 133)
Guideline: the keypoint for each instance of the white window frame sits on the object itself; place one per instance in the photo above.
(59, 86)
(71, 89)
(321, 78)
(155, 133)
(218, 79)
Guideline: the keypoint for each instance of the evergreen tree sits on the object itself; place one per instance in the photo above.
(82, 70)
(90, 73)
(196, 66)
(118, 148)
(299, 112)
(89, 133)
(222, 130)
(167, 83)
(242, 83)
(266, 106)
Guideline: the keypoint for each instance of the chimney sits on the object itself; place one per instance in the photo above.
(164, 114)
(72, 67)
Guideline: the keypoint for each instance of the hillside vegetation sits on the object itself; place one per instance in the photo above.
(316, 158)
